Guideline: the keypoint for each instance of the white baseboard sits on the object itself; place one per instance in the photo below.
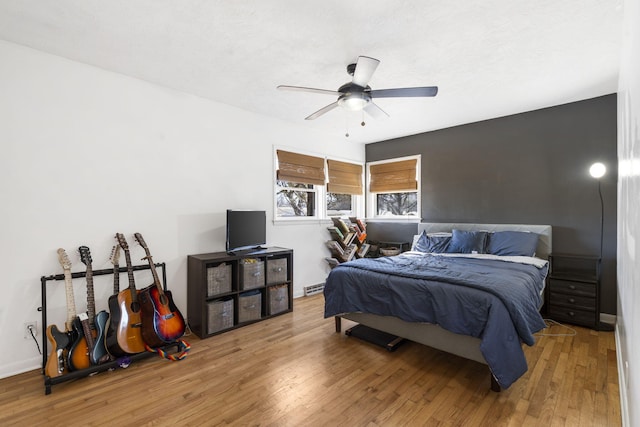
(608, 318)
(622, 383)
(21, 367)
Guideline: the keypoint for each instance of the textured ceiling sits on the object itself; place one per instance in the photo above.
(489, 58)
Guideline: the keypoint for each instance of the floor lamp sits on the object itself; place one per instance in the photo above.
(598, 170)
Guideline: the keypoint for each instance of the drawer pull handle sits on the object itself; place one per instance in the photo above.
(571, 313)
(572, 287)
(571, 300)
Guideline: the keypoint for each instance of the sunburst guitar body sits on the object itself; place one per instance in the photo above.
(162, 322)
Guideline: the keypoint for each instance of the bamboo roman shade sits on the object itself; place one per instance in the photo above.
(344, 178)
(294, 167)
(393, 176)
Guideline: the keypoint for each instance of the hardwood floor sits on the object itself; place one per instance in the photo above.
(294, 370)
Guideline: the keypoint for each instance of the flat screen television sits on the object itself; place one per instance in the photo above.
(246, 230)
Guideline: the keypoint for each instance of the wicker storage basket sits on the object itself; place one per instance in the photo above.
(391, 251)
(220, 315)
(278, 297)
(249, 306)
(276, 271)
(218, 280)
(251, 274)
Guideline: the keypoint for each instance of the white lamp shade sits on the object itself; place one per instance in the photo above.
(597, 170)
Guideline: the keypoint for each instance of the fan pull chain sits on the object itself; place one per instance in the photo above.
(346, 125)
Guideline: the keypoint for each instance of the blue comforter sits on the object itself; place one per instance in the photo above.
(494, 300)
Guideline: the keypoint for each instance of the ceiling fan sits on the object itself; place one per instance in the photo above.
(356, 95)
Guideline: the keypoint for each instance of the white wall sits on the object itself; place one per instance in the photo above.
(628, 323)
(87, 153)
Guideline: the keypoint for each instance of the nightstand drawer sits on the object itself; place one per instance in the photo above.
(573, 301)
(573, 288)
(578, 317)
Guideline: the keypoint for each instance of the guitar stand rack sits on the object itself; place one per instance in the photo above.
(50, 381)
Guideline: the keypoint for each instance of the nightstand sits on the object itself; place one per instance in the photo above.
(573, 293)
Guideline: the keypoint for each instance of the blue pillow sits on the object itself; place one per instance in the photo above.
(467, 242)
(514, 243)
(432, 243)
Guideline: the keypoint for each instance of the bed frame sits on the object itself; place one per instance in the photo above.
(433, 335)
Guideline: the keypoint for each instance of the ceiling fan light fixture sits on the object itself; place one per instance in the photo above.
(354, 101)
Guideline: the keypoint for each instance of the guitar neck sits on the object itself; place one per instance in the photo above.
(156, 279)
(91, 305)
(71, 303)
(86, 329)
(152, 266)
(132, 283)
(116, 279)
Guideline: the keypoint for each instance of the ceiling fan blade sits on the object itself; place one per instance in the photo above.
(322, 111)
(376, 112)
(405, 92)
(364, 70)
(309, 89)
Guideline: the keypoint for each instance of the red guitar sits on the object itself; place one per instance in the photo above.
(162, 322)
(125, 325)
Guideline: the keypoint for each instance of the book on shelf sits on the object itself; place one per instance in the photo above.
(362, 252)
(348, 239)
(335, 233)
(349, 253)
(359, 223)
(340, 224)
(332, 262)
(335, 247)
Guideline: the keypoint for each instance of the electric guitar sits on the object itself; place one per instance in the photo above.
(162, 322)
(125, 326)
(79, 355)
(56, 362)
(100, 353)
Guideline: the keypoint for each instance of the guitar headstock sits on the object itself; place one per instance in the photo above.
(64, 260)
(85, 255)
(140, 240)
(122, 241)
(115, 255)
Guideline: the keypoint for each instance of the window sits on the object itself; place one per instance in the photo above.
(344, 188)
(340, 205)
(300, 187)
(295, 200)
(393, 188)
(297, 179)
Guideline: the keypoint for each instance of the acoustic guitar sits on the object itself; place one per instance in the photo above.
(162, 322)
(56, 362)
(125, 325)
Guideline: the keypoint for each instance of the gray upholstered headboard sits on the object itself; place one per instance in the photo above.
(544, 242)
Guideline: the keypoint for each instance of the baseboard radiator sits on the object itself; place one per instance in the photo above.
(313, 289)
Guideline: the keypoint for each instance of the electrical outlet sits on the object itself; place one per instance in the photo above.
(30, 325)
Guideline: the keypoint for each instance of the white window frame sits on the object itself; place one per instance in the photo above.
(320, 191)
(372, 207)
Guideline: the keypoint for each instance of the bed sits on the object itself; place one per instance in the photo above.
(458, 303)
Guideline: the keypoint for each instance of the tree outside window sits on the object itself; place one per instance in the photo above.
(295, 200)
(340, 204)
(403, 204)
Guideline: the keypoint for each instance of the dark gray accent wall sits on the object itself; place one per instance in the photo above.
(529, 168)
